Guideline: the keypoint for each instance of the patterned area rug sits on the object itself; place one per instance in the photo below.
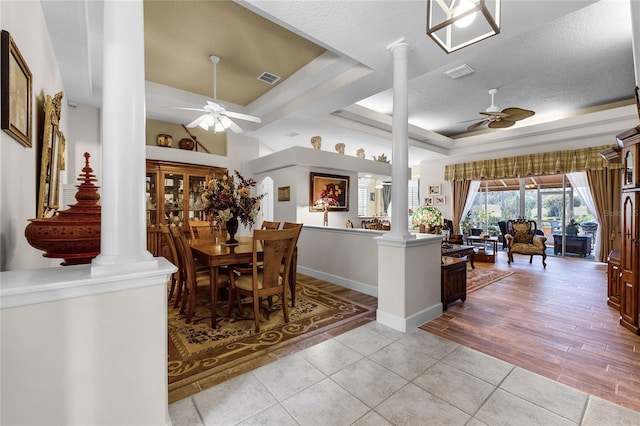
(196, 350)
(481, 277)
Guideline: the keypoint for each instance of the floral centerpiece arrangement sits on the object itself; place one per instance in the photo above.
(427, 216)
(229, 200)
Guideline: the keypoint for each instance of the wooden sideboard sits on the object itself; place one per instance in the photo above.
(453, 280)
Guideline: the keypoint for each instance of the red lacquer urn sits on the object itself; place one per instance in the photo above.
(72, 234)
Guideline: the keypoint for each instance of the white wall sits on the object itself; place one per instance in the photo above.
(19, 171)
(347, 257)
(292, 168)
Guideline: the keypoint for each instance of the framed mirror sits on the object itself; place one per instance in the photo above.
(50, 163)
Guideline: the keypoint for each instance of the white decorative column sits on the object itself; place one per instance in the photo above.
(123, 233)
(408, 267)
(400, 147)
(635, 40)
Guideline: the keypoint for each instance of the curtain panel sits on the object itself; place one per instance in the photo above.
(546, 163)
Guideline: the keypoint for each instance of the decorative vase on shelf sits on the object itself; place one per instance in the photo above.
(232, 228)
(72, 234)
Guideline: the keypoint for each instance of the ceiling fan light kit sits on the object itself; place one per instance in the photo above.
(216, 115)
(454, 24)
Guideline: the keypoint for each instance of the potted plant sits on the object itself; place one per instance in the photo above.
(573, 228)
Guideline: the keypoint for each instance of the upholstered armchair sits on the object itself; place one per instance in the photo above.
(522, 238)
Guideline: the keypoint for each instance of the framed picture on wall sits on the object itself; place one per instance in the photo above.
(439, 200)
(327, 190)
(428, 201)
(16, 87)
(284, 193)
(434, 189)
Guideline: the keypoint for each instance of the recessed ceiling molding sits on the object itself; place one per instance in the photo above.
(383, 133)
(383, 121)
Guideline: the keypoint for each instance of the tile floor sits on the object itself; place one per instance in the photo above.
(374, 375)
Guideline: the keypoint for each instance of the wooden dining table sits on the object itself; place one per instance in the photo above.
(216, 254)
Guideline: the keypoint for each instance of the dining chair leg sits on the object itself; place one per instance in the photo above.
(256, 312)
(179, 294)
(285, 305)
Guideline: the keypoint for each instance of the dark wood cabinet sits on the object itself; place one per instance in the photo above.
(453, 280)
(630, 245)
(613, 279)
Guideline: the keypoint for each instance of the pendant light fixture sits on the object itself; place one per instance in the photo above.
(454, 24)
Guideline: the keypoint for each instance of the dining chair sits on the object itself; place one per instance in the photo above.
(294, 262)
(269, 225)
(196, 227)
(277, 247)
(169, 251)
(195, 280)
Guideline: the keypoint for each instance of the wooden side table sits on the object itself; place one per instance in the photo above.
(453, 280)
(483, 254)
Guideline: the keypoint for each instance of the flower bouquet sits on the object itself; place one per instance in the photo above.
(229, 200)
(427, 216)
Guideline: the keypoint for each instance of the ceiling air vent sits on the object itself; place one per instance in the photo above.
(268, 78)
(459, 72)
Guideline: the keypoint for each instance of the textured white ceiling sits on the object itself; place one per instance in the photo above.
(557, 58)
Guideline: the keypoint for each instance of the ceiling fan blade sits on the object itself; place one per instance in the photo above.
(516, 114)
(234, 127)
(495, 114)
(478, 124)
(203, 121)
(501, 124)
(245, 117)
(214, 106)
(189, 109)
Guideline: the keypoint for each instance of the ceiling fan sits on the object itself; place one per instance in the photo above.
(216, 115)
(497, 119)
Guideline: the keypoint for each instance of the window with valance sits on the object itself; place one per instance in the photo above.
(546, 163)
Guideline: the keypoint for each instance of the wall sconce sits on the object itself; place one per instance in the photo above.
(456, 25)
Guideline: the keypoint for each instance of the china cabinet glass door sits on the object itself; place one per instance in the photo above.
(152, 201)
(173, 199)
(195, 208)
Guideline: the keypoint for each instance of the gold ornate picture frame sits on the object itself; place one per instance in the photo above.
(16, 90)
(284, 193)
(52, 158)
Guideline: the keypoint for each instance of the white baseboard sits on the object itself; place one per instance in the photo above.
(369, 289)
(410, 323)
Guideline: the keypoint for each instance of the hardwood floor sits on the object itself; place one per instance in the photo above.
(554, 322)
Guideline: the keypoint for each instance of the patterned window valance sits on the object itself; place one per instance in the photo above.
(546, 163)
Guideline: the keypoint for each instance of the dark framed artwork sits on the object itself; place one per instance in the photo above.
(330, 191)
(372, 196)
(284, 193)
(16, 88)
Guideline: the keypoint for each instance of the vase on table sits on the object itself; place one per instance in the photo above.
(232, 228)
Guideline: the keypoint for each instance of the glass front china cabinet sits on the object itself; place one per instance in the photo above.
(173, 196)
